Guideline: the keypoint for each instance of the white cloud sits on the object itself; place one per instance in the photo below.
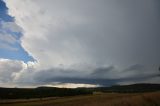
(7, 41)
(7, 38)
(7, 35)
(8, 47)
(60, 32)
(87, 32)
(11, 26)
(72, 85)
(15, 73)
(8, 68)
(74, 37)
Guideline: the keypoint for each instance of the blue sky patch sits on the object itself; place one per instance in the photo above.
(10, 47)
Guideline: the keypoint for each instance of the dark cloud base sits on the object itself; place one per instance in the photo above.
(97, 76)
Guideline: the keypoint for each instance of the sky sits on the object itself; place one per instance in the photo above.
(79, 43)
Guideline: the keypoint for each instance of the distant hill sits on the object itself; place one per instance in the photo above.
(134, 88)
(41, 92)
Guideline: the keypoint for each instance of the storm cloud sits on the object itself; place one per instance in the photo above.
(101, 42)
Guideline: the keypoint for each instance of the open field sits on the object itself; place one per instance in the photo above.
(98, 99)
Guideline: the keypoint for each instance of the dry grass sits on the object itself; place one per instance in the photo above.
(105, 99)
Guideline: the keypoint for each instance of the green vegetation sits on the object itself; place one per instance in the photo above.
(43, 92)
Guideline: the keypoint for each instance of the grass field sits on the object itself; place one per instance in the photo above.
(97, 99)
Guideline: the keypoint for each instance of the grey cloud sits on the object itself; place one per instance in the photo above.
(104, 76)
(19, 73)
(135, 67)
(8, 69)
(70, 76)
(102, 71)
(99, 33)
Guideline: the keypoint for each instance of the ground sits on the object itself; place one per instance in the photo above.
(97, 99)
